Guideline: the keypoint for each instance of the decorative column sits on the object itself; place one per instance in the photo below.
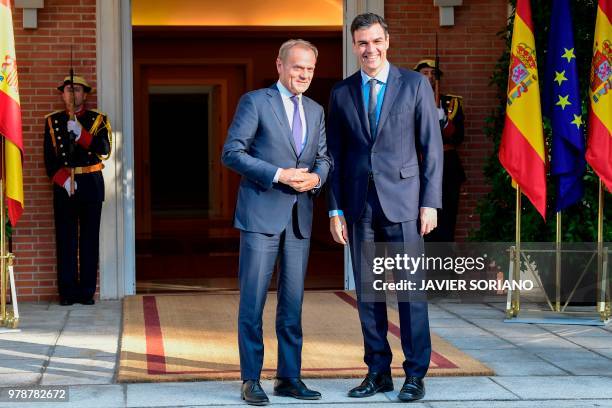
(115, 97)
(352, 8)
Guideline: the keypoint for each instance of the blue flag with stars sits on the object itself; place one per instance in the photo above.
(562, 105)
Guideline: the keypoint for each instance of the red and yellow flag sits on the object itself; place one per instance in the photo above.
(599, 142)
(10, 114)
(522, 151)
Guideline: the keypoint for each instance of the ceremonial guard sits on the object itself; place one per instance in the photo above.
(77, 140)
(450, 113)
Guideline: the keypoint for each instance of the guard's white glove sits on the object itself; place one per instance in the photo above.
(67, 185)
(441, 114)
(75, 127)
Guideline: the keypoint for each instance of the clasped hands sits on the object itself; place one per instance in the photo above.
(299, 179)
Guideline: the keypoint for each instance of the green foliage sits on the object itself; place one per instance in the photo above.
(8, 227)
(497, 208)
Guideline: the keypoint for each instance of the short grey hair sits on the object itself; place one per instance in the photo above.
(284, 49)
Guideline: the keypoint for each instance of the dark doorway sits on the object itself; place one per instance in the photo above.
(174, 139)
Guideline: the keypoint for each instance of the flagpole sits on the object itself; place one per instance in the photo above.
(600, 213)
(3, 317)
(517, 252)
(558, 265)
(600, 275)
(10, 153)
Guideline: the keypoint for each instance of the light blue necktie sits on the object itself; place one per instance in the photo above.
(372, 107)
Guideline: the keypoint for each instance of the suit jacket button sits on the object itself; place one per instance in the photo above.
(59, 138)
(89, 153)
(65, 163)
(63, 153)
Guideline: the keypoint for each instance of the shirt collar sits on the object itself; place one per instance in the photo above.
(285, 93)
(382, 76)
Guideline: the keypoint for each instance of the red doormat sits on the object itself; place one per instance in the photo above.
(194, 337)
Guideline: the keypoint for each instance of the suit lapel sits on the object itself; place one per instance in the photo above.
(393, 89)
(278, 108)
(357, 97)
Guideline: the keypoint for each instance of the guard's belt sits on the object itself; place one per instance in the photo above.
(89, 169)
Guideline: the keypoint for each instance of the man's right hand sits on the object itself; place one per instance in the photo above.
(338, 229)
(75, 127)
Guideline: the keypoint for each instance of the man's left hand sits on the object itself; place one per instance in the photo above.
(429, 219)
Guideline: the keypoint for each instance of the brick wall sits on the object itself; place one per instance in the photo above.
(468, 53)
(43, 58)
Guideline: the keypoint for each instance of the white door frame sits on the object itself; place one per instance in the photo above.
(115, 97)
(352, 8)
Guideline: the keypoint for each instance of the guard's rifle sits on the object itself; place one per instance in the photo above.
(437, 75)
(72, 117)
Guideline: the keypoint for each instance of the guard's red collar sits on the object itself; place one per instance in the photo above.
(78, 113)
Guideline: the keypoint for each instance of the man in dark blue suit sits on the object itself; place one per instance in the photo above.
(384, 137)
(277, 143)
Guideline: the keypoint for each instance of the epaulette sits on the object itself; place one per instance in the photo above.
(53, 113)
(98, 112)
(453, 104)
(454, 96)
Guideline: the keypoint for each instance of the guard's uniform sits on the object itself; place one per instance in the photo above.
(77, 217)
(454, 175)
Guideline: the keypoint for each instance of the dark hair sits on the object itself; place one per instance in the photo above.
(367, 20)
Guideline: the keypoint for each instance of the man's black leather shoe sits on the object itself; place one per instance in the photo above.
(66, 302)
(294, 387)
(253, 394)
(412, 390)
(88, 302)
(373, 383)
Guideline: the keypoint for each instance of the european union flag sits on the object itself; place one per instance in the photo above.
(563, 107)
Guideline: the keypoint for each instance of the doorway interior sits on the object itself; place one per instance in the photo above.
(187, 83)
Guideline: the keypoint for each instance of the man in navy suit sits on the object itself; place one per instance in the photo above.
(277, 143)
(384, 137)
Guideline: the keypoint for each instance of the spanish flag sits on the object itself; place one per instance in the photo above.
(599, 142)
(10, 115)
(522, 151)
